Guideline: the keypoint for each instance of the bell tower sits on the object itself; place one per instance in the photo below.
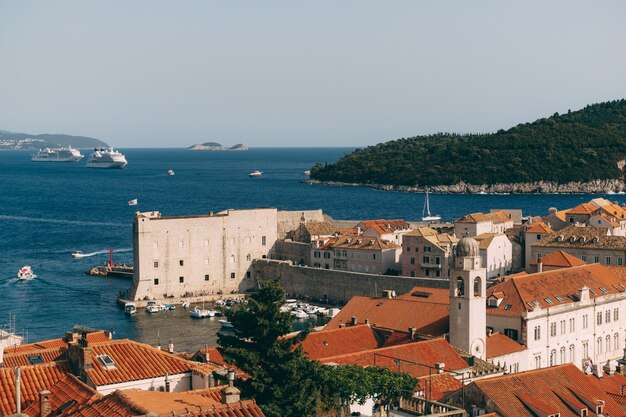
(468, 321)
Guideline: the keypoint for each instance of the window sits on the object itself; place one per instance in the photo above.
(206, 242)
(615, 341)
(206, 277)
(538, 237)
(156, 264)
(181, 244)
(615, 314)
(181, 279)
(571, 220)
(585, 350)
(562, 354)
(412, 261)
(232, 275)
(427, 272)
(583, 257)
(596, 259)
(326, 255)
(599, 346)
(426, 259)
(585, 322)
(427, 248)
(559, 298)
(373, 256)
(408, 249)
(437, 260)
(537, 361)
(562, 326)
(181, 262)
(599, 318)
(417, 249)
(572, 353)
(607, 316)
(316, 254)
(437, 273)
(107, 362)
(249, 274)
(508, 307)
(537, 332)
(263, 240)
(206, 261)
(547, 300)
(572, 325)
(511, 333)
(34, 360)
(607, 346)
(156, 281)
(249, 258)
(552, 329)
(412, 274)
(232, 259)
(607, 260)
(620, 261)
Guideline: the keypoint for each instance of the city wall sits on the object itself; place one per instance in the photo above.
(335, 285)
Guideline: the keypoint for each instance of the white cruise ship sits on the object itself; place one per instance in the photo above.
(106, 158)
(57, 155)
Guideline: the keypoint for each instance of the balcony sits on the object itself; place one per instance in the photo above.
(421, 407)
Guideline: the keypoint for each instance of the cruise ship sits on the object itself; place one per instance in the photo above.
(57, 155)
(106, 158)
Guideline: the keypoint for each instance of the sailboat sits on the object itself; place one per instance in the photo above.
(426, 216)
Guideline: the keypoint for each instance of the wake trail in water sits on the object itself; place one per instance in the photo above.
(103, 251)
(59, 221)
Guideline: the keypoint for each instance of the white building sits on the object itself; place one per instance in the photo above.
(496, 252)
(389, 230)
(478, 223)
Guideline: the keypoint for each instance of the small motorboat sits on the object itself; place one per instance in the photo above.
(299, 314)
(25, 273)
(130, 309)
(78, 254)
(153, 307)
(255, 174)
(170, 172)
(225, 324)
(132, 202)
(307, 172)
(185, 305)
(169, 306)
(201, 313)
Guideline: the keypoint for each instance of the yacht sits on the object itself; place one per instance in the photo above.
(106, 158)
(78, 254)
(25, 272)
(225, 324)
(170, 172)
(57, 155)
(255, 174)
(200, 313)
(426, 216)
(130, 309)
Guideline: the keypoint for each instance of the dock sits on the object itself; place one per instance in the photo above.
(122, 300)
(115, 270)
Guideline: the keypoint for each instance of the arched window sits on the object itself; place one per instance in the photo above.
(572, 354)
(232, 259)
(460, 287)
(248, 257)
(563, 355)
(553, 357)
(477, 287)
(615, 341)
(608, 343)
(599, 346)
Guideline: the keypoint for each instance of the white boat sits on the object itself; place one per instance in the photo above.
(225, 324)
(299, 314)
(307, 172)
(170, 172)
(78, 254)
(25, 273)
(68, 154)
(106, 158)
(153, 307)
(200, 313)
(132, 202)
(185, 305)
(426, 216)
(255, 174)
(130, 309)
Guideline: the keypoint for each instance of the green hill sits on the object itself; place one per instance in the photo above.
(584, 145)
(14, 140)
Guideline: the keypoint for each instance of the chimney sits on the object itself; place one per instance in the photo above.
(45, 404)
(230, 394)
(439, 367)
(18, 400)
(358, 230)
(597, 370)
(583, 294)
(71, 337)
(170, 347)
(353, 321)
(86, 357)
(167, 382)
(609, 368)
(367, 321)
(539, 265)
(412, 332)
(207, 357)
(342, 325)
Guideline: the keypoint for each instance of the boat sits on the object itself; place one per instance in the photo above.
(299, 314)
(153, 307)
(25, 273)
(185, 305)
(68, 154)
(132, 202)
(307, 172)
(78, 254)
(255, 174)
(426, 216)
(130, 309)
(200, 313)
(106, 158)
(169, 306)
(226, 324)
(170, 172)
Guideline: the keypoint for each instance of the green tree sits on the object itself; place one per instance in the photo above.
(283, 381)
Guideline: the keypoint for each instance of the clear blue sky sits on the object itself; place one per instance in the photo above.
(319, 73)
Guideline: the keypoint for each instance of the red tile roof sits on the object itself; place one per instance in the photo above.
(318, 345)
(415, 358)
(361, 242)
(99, 336)
(614, 385)
(396, 313)
(539, 228)
(68, 388)
(383, 226)
(34, 378)
(427, 294)
(495, 217)
(512, 394)
(438, 386)
(584, 208)
(25, 358)
(560, 259)
(499, 345)
(525, 292)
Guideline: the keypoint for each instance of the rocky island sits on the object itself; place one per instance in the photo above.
(580, 151)
(214, 146)
(27, 141)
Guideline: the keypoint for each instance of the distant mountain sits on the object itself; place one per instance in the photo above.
(214, 146)
(15, 141)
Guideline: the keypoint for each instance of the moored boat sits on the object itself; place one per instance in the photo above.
(130, 309)
(201, 313)
(25, 273)
(225, 324)
(426, 216)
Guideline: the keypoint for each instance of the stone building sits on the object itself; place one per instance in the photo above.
(356, 253)
(478, 223)
(496, 251)
(427, 253)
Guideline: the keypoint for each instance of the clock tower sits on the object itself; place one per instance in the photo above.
(468, 315)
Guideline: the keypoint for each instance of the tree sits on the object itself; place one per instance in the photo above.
(283, 381)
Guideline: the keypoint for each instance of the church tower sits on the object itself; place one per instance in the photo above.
(468, 321)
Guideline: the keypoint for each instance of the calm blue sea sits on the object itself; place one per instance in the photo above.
(48, 210)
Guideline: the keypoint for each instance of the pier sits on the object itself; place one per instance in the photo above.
(209, 298)
(115, 270)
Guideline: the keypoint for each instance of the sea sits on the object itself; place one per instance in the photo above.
(49, 210)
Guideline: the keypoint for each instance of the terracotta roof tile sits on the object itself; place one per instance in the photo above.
(397, 313)
(495, 217)
(414, 358)
(318, 345)
(25, 358)
(539, 228)
(584, 208)
(67, 389)
(526, 292)
(34, 378)
(513, 394)
(99, 336)
(438, 386)
(422, 232)
(499, 344)
(363, 242)
(560, 259)
(427, 295)
(383, 226)
(582, 237)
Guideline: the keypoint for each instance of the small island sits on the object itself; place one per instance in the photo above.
(214, 146)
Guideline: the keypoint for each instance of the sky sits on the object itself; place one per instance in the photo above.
(150, 73)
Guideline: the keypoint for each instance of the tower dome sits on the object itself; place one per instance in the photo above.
(467, 247)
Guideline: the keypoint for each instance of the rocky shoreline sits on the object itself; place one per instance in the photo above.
(539, 187)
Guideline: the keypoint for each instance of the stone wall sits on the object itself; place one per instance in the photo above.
(335, 285)
(297, 252)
